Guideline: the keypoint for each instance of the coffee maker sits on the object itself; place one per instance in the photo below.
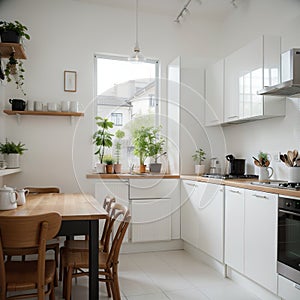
(214, 166)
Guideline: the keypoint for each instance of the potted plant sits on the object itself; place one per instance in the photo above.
(119, 135)
(14, 67)
(109, 161)
(199, 157)
(155, 148)
(141, 142)
(12, 152)
(102, 138)
(12, 32)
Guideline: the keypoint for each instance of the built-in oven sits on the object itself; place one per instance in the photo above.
(288, 259)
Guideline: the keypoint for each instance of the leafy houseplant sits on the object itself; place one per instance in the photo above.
(119, 135)
(14, 68)
(12, 152)
(102, 138)
(108, 159)
(11, 32)
(199, 157)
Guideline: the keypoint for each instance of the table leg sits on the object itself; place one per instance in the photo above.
(93, 259)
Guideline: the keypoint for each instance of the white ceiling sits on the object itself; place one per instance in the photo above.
(197, 8)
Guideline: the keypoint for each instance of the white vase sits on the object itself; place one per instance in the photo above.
(199, 169)
(12, 160)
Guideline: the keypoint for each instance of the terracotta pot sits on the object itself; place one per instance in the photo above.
(117, 168)
(142, 168)
(109, 169)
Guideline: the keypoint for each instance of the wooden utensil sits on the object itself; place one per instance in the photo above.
(256, 162)
(290, 155)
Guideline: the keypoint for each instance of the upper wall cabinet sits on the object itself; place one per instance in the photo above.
(214, 94)
(248, 70)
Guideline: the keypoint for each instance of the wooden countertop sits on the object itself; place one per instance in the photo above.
(132, 176)
(243, 183)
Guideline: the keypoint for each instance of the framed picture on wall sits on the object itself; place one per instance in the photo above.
(70, 81)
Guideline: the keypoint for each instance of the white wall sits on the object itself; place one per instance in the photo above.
(64, 36)
(252, 19)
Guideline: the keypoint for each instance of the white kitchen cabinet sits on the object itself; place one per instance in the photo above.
(248, 70)
(202, 217)
(251, 235)
(287, 289)
(214, 94)
(189, 212)
(261, 238)
(211, 219)
(151, 220)
(155, 208)
(234, 227)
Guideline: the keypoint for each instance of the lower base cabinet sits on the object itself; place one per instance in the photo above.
(251, 235)
(287, 289)
(202, 217)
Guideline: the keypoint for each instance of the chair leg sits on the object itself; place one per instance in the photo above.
(116, 282)
(65, 282)
(69, 283)
(60, 266)
(52, 292)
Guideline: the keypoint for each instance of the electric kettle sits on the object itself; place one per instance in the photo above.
(8, 198)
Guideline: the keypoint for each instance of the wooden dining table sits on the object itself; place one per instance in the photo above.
(80, 216)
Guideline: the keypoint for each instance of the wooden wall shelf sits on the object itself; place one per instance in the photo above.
(7, 48)
(43, 113)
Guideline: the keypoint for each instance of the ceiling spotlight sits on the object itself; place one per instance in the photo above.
(183, 11)
(234, 4)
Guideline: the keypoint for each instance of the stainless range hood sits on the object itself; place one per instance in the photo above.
(290, 75)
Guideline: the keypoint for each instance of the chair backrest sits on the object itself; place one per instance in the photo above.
(121, 215)
(25, 232)
(105, 238)
(42, 190)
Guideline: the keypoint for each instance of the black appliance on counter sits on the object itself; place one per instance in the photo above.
(236, 165)
(229, 176)
(288, 258)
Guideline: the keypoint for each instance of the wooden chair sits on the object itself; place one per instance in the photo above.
(17, 235)
(83, 245)
(108, 261)
(52, 244)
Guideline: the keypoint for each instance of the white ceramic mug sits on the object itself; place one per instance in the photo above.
(30, 105)
(265, 173)
(38, 106)
(52, 106)
(65, 106)
(74, 106)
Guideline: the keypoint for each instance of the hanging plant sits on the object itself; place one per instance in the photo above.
(14, 69)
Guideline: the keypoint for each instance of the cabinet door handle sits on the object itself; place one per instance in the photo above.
(232, 117)
(259, 196)
(191, 184)
(235, 192)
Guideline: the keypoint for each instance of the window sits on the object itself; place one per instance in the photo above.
(117, 118)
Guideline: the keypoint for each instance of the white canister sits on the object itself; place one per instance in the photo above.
(294, 174)
(65, 106)
(52, 106)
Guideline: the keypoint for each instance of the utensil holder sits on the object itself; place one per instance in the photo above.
(294, 174)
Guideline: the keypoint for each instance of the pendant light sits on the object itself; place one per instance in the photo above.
(136, 56)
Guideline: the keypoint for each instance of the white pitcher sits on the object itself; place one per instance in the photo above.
(22, 196)
(8, 198)
(265, 173)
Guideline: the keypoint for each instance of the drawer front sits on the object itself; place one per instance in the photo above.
(152, 188)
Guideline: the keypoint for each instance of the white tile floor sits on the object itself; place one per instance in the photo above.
(164, 275)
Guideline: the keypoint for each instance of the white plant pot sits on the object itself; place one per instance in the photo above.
(199, 169)
(12, 160)
(100, 168)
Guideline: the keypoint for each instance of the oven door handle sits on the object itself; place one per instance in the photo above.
(289, 212)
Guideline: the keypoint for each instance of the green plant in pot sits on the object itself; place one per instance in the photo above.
(119, 134)
(109, 161)
(12, 32)
(11, 152)
(102, 138)
(199, 157)
(155, 148)
(141, 145)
